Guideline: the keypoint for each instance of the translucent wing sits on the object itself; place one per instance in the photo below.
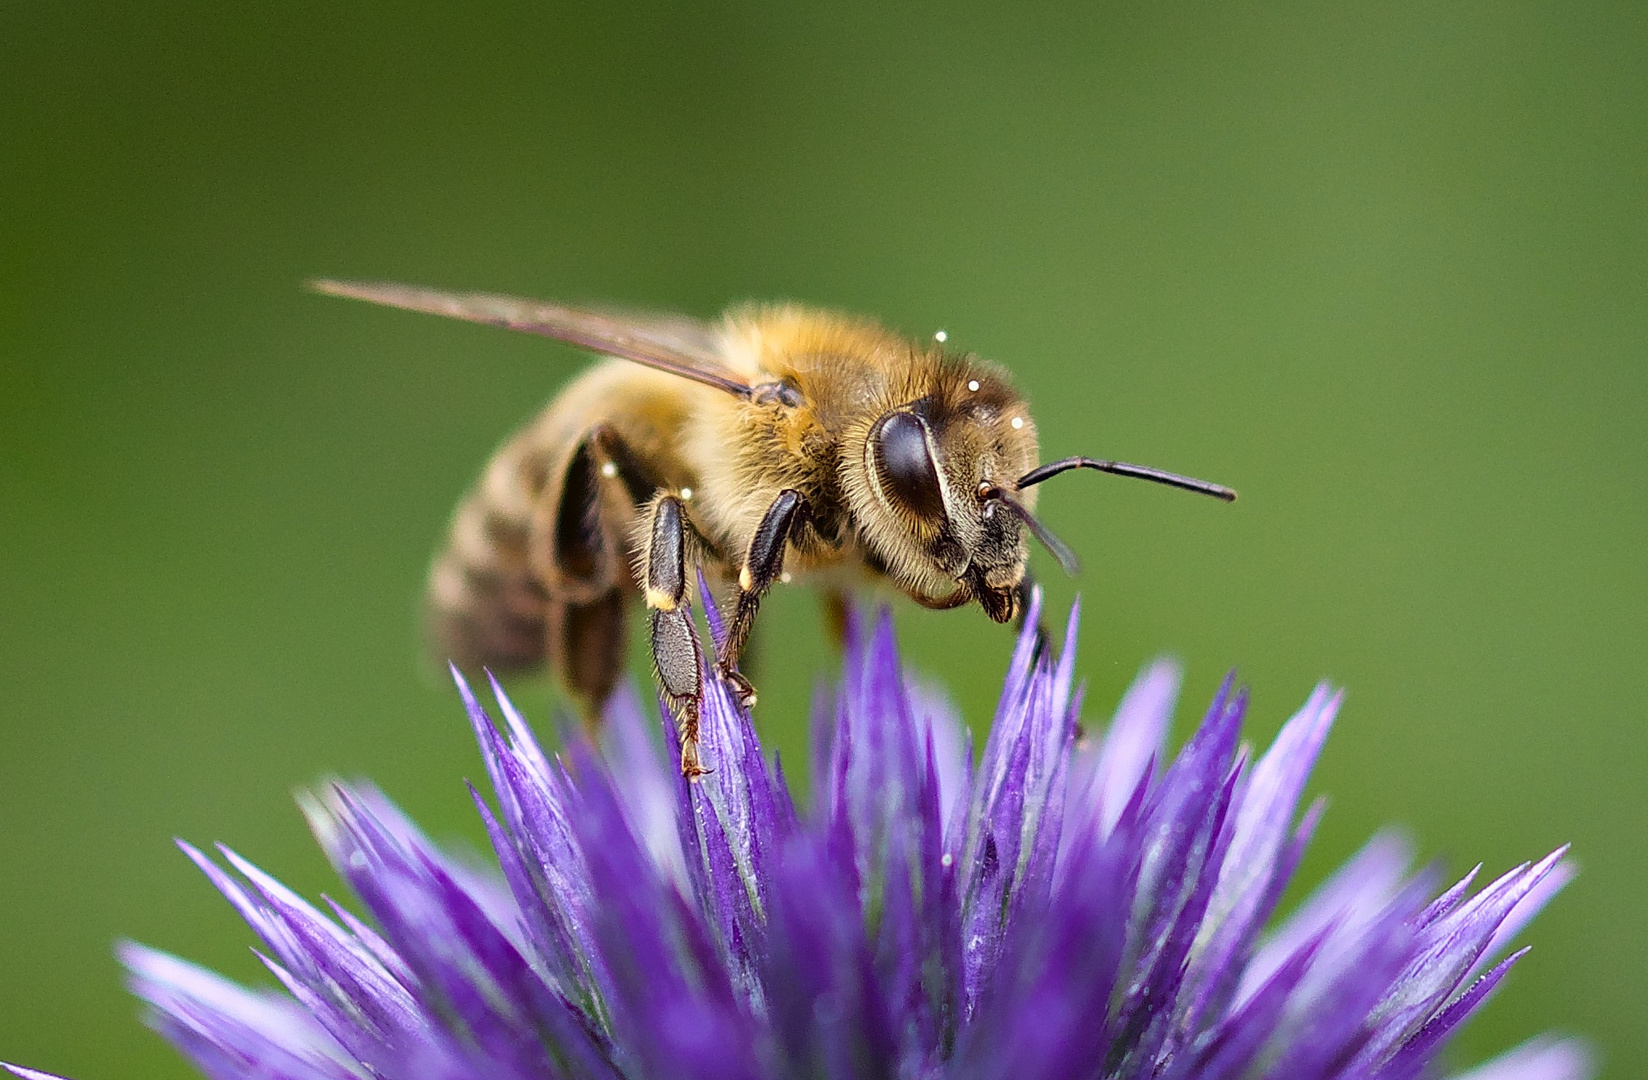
(675, 344)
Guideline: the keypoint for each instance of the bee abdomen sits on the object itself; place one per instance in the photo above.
(487, 605)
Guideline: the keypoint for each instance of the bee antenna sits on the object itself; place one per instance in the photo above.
(1122, 468)
(1055, 547)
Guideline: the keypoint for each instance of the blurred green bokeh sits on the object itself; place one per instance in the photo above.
(1383, 268)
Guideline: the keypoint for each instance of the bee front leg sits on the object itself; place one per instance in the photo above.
(1021, 611)
(676, 656)
(783, 522)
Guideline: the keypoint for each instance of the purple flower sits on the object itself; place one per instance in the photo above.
(1065, 906)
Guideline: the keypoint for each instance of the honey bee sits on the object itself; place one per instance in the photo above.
(776, 441)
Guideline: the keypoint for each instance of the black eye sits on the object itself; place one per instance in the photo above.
(906, 468)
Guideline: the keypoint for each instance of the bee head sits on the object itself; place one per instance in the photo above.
(947, 489)
(935, 470)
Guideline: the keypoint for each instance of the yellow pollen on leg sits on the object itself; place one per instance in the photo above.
(659, 600)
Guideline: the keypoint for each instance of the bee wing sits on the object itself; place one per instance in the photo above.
(673, 343)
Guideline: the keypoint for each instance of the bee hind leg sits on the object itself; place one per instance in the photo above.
(579, 538)
(586, 644)
(677, 658)
(783, 522)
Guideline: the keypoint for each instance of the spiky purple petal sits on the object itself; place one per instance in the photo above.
(1071, 907)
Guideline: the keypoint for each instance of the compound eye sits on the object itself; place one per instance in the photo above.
(905, 465)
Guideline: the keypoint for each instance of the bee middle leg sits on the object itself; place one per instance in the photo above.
(676, 655)
(783, 522)
(836, 613)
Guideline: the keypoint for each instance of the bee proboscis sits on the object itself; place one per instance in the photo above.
(776, 441)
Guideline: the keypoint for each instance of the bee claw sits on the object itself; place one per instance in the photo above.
(691, 765)
(740, 685)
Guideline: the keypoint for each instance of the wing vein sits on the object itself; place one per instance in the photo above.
(625, 338)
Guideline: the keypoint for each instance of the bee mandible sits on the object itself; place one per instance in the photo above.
(776, 441)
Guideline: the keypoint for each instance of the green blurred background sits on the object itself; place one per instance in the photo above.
(1382, 268)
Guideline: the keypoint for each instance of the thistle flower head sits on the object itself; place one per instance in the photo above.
(1064, 906)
